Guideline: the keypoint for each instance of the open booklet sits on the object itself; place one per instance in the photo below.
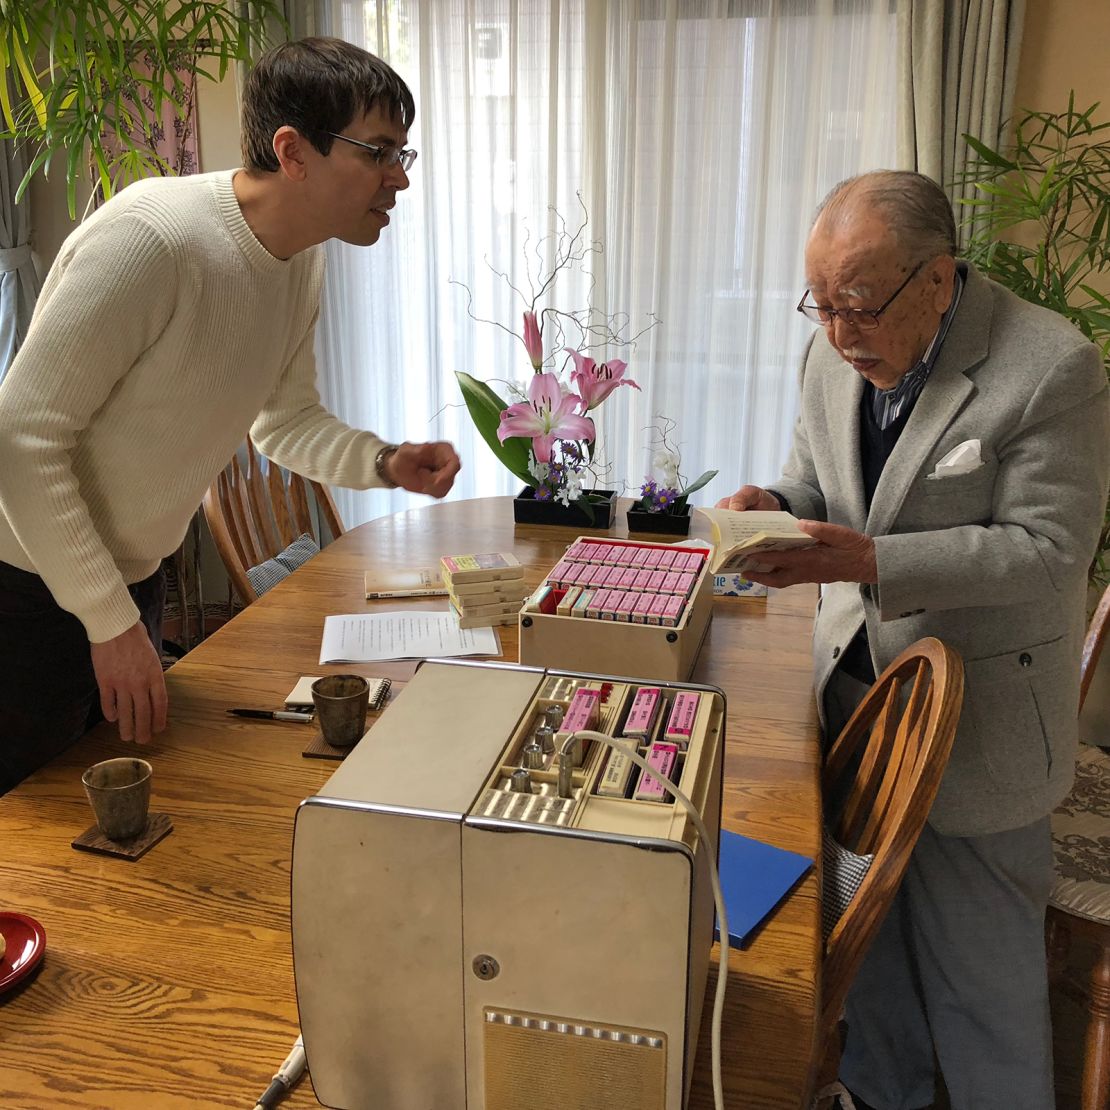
(742, 536)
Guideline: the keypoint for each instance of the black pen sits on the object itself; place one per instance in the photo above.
(272, 714)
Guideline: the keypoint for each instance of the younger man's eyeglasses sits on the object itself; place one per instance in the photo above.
(385, 156)
(861, 319)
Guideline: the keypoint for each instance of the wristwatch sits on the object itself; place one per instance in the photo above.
(380, 459)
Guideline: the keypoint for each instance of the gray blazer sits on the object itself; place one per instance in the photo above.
(992, 562)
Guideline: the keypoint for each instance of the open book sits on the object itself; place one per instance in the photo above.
(741, 537)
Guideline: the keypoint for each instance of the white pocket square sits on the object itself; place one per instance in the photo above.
(962, 459)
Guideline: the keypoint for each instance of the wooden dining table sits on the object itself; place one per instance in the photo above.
(167, 982)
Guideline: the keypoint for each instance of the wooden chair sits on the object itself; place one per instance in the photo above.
(902, 735)
(1079, 904)
(254, 512)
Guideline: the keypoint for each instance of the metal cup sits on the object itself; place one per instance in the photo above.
(119, 793)
(341, 702)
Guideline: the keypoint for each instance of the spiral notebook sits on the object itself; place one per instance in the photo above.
(301, 694)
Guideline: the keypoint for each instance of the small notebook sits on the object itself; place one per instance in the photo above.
(755, 878)
(301, 694)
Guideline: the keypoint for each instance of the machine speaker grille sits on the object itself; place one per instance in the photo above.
(534, 1062)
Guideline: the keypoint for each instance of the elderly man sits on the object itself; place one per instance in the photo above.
(951, 458)
(178, 317)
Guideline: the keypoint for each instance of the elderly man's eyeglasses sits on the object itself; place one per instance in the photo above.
(385, 156)
(862, 319)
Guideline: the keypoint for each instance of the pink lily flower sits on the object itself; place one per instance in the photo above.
(548, 416)
(595, 382)
(532, 340)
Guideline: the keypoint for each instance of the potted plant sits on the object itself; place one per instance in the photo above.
(663, 505)
(1041, 227)
(545, 435)
(92, 79)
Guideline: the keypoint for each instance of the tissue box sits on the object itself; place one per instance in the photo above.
(736, 585)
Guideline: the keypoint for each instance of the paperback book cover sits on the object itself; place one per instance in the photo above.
(741, 536)
(501, 589)
(485, 619)
(515, 598)
(480, 568)
(413, 582)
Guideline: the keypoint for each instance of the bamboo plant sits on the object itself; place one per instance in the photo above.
(86, 83)
(1040, 223)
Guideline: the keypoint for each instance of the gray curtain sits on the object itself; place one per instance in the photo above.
(19, 284)
(959, 62)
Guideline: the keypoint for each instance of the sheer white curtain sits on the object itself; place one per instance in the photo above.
(699, 135)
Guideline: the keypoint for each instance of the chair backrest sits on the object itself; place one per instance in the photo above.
(905, 727)
(1093, 644)
(254, 511)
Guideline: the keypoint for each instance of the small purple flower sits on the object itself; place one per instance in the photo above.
(543, 493)
(665, 498)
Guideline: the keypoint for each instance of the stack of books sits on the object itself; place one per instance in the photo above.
(484, 589)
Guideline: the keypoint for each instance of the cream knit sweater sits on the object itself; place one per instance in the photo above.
(164, 332)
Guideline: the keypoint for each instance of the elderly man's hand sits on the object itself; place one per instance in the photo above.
(424, 467)
(841, 555)
(750, 497)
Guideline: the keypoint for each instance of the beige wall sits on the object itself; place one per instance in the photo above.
(218, 133)
(1066, 46)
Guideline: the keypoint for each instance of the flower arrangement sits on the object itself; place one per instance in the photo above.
(669, 493)
(545, 435)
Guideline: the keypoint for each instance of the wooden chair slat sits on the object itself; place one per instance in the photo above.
(261, 510)
(279, 508)
(1093, 644)
(918, 740)
(252, 514)
(298, 500)
(876, 753)
(240, 508)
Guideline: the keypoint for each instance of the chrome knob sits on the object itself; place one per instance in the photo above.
(545, 737)
(533, 756)
(520, 781)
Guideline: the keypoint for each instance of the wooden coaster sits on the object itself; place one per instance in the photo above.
(158, 826)
(319, 748)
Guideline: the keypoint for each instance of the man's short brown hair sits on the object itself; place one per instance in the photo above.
(315, 85)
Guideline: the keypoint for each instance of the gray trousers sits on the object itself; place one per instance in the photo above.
(957, 972)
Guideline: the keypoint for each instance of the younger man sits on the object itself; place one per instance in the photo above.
(177, 318)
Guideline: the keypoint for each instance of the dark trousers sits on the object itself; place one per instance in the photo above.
(48, 690)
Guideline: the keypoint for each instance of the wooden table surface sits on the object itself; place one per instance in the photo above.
(168, 982)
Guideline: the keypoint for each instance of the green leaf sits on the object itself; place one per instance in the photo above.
(707, 477)
(991, 157)
(485, 409)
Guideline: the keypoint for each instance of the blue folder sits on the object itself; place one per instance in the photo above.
(755, 878)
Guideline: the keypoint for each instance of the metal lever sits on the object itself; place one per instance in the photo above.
(565, 783)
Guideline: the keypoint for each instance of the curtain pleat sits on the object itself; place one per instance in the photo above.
(959, 62)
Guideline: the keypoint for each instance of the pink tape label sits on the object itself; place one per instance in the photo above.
(661, 758)
(680, 724)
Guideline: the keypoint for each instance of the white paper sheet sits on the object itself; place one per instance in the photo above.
(372, 637)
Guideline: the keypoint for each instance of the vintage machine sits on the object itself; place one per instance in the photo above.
(489, 916)
(631, 606)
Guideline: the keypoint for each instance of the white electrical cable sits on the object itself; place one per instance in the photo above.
(699, 824)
